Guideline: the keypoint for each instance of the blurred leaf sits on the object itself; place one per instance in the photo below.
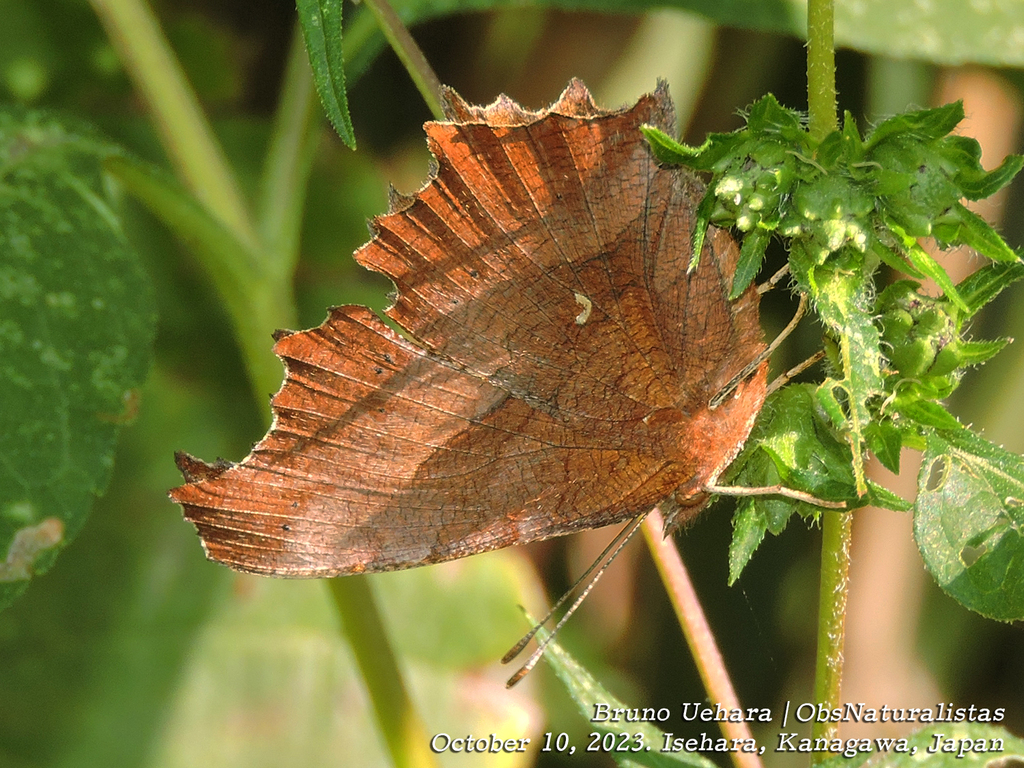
(205, 51)
(996, 748)
(321, 28)
(257, 303)
(633, 743)
(271, 683)
(942, 31)
(969, 522)
(27, 57)
(76, 330)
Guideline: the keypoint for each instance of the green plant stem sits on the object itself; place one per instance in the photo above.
(836, 526)
(698, 633)
(293, 141)
(404, 734)
(409, 53)
(836, 537)
(184, 131)
(821, 69)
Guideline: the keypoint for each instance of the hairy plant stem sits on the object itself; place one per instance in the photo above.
(698, 633)
(834, 588)
(409, 53)
(404, 733)
(821, 68)
(836, 526)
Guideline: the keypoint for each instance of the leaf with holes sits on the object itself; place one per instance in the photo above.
(969, 522)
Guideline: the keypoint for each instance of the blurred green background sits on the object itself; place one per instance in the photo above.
(135, 651)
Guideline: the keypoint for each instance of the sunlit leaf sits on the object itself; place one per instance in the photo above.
(969, 522)
(321, 28)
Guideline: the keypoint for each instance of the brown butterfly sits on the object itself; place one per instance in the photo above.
(554, 372)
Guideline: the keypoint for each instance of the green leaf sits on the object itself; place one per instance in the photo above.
(977, 352)
(748, 529)
(986, 184)
(883, 497)
(700, 228)
(751, 257)
(76, 330)
(978, 234)
(885, 441)
(790, 445)
(942, 745)
(921, 125)
(929, 414)
(957, 32)
(321, 28)
(589, 694)
(969, 522)
(842, 299)
(985, 284)
(668, 150)
(925, 264)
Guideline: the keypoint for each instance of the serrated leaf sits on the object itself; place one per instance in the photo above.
(978, 234)
(987, 283)
(790, 445)
(668, 150)
(923, 124)
(587, 692)
(987, 184)
(751, 257)
(969, 522)
(883, 497)
(700, 228)
(321, 29)
(925, 264)
(767, 115)
(885, 441)
(977, 352)
(889, 257)
(748, 530)
(996, 748)
(842, 299)
(76, 330)
(928, 413)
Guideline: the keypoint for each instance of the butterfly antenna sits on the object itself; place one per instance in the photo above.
(734, 382)
(597, 568)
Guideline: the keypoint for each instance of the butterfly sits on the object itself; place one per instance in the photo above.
(553, 372)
